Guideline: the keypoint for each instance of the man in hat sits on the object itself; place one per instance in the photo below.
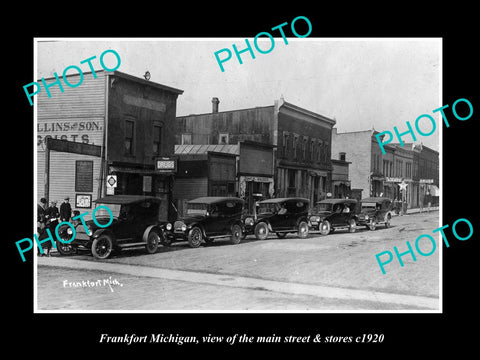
(65, 210)
(52, 211)
(41, 214)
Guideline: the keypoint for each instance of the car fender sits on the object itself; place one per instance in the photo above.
(196, 224)
(269, 226)
(108, 232)
(302, 218)
(150, 228)
(237, 222)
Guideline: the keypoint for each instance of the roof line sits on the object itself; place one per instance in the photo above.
(128, 77)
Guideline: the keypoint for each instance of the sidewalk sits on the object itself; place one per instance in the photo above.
(419, 210)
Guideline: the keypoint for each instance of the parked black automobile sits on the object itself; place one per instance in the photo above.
(281, 216)
(207, 219)
(135, 223)
(332, 214)
(377, 210)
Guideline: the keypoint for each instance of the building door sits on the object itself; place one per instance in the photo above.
(162, 191)
(292, 183)
(316, 185)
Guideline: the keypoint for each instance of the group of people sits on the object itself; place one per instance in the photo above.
(48, 215)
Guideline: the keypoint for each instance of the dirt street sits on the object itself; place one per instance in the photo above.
(334, 272)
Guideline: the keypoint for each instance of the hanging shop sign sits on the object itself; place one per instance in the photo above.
(166, 165)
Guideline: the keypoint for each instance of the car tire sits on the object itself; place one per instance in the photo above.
(325, 227)
(281, 235)
(352, 226)
(236, 235)
(195, 237)
(261, 231)
(373, 224)
(65, 249)
(387, 221)
(102, 247)
(153, 240)
(302, 229)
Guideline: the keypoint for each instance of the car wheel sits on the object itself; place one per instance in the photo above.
(387, 220)
(261, 231)
(195, 237)
(64, 249)
(281, 235)
(352, 225)
(373, 224)
(237, 234)
(102, 247)
(302, 229)
(325, 227)
(153, 240)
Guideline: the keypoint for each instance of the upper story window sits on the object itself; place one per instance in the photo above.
(342, 156)
(304, 149)
(186, 139)
(157, 139)
(129, 136)
(295, 146)
(223, 138)
(285, 144)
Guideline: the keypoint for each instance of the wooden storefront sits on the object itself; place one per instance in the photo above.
(129, 120)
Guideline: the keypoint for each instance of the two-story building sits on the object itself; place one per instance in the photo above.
(365, 169)
(428, 175)
(111, 127)
(301, 142)
(406, 173)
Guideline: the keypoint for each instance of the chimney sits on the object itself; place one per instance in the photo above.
(215, 103)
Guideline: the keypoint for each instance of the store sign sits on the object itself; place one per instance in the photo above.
(258, 179)
(85, 132)
(111, 181)
(83, 201)
(166, 165)
(393, 179)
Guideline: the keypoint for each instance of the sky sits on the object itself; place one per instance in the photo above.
(361, 83)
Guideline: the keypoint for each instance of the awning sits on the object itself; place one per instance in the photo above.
(132, 170)
(341, 182)
(315, 173)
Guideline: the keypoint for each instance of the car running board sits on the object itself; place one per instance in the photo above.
(131, 245)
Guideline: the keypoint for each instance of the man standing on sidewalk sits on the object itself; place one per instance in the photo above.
(65, 210)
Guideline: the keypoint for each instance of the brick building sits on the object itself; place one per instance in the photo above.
(373, 173)
(301, 142)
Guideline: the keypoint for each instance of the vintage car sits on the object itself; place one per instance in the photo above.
(331, 214)
(281, 216)
(377, 210)
(208, 218)
(135, 223)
